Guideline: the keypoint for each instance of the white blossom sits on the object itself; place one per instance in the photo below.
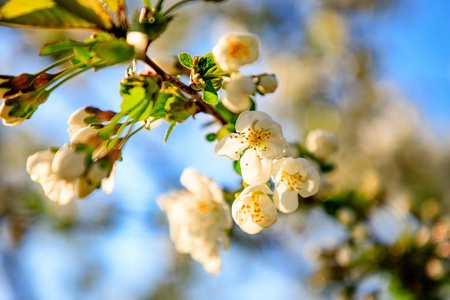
(235, 50)
(140, 42)
(293, 177)
(321, 143)
(260, 139)
(253, 210)
(198, 219)
(267, 84)
(238, 88)
(39, 166)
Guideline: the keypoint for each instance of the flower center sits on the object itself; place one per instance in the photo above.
(253, 210)
(256, 137)
(292, 180)
(239, 50)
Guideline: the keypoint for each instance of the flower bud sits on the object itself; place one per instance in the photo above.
(89, 115)
(86, 135)
(140, 42)
(69, 164)
(84, 188)
(8, 120)
(98, 171)
(321, 143)
(267, 83)
(235, 50)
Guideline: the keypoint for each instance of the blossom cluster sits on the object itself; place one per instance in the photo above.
(79, 167)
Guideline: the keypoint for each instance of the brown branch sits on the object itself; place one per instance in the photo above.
(204, 107)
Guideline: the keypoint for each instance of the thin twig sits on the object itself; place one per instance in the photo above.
(204, 107)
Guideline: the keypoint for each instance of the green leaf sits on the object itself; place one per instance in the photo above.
(186, 59)
(210, 94)
(211, 137)
(206, 61)
(133, 99)
(59, 46)
(53, 14)
(237, 167)
(113, 52)
(169, 131)
(82, 53)
(89, 10)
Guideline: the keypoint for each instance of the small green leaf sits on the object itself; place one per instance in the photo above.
(169, 131)
(211, 137)
(133, 99)
(186, 59)
(113, 52)
(237, 167)
(210, 94)
(206, 62)
(59, 46)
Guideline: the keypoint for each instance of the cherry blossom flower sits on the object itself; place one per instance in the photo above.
(235, 50)
(260, 139)
(238, 88)
(253, 210)
(293, 177)
(321, 143)
(198, 218)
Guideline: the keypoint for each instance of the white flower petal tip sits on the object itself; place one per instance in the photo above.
(235, 50)
(321, 143)
(253, 210)
(259, 140)
(293, 177)
(198, 219)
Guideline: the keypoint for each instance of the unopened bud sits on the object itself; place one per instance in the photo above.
(83, 188)
(321, 143)
(89, 115)
(98, 171)
(267, 83)
(140, 42)
(68, 163)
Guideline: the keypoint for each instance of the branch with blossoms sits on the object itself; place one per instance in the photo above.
(200, 218)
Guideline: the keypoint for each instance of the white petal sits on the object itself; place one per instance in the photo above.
(231, 146)
(311, 184)
(195, 182)
(76, 119)
(268, 123)
(69, 164)
(39, 165)
(250, 227)
(255, 170)
(248, 119)
(84, 135)
(284, 199)
(59, 190)
(268, 210)
(236, 102)
(276, 147)
(108, 183)
(7, 120)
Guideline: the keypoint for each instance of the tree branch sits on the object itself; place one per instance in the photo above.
(204, 107)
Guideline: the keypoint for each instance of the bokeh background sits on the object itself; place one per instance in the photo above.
(375, 72)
